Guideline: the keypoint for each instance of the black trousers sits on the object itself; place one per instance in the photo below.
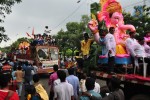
(111, 64)
(146, 60)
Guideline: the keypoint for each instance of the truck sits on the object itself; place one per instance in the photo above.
(43, 56)
(134, 85)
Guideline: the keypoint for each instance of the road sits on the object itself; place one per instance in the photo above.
(44, 80)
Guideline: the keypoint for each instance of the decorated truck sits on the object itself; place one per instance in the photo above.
(43, 56)
(135, 85)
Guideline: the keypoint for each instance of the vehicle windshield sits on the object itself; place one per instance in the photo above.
(53, 54)
(43, 53)
(48, 54)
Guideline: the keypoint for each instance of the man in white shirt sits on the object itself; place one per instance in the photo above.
(97, 86)
(111, 49)
(130, 44)
(64, 90)
(141, 53)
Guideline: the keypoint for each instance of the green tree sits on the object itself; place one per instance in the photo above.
(142, 23)
(5, 8)
(71, 38)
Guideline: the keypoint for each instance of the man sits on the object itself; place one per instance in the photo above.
(102, 41)
(85, 45)
(39, 88)
(52, 78)
(64, 90)
(140, 52)
(74, 81)
(115, 92)
(130, 43)
(5, 93)
(28, 72)
(90, 84)
(111, 49)
(97, 86)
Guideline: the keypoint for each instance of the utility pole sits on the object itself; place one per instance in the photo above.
(144, 1)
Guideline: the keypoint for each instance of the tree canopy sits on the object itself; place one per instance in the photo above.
(5, 8)
(141, 23)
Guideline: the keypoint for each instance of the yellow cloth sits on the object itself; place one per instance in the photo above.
(41, 91)
(85, 46)
(120, 49)
(29, 97)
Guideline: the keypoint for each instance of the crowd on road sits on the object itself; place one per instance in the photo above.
(64, 84)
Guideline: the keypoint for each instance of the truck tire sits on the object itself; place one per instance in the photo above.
(140, 97)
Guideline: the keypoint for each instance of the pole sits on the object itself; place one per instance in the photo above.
(144, 2)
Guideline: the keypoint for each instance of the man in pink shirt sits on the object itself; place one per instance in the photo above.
(52, 78)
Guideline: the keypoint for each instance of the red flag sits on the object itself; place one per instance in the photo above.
(33, 31)
(28, 34)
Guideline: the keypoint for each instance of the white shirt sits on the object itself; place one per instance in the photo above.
(63, 91)
(57, 82)
(97, 87)
(130, 45)
(83, 87)
(147, 49)
(139, 51)
(110, 44)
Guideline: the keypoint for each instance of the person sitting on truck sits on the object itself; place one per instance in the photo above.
(140, 52)
(130, 43)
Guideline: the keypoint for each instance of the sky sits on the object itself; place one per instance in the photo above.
(55, 14)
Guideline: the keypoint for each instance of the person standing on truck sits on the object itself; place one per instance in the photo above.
(111, 49)
(85, 45)
(85, 49)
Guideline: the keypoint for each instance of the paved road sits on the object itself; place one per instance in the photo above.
(44, 81)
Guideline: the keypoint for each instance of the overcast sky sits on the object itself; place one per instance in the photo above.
(52, 13)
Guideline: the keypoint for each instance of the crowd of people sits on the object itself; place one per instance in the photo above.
(63, 84)
(43, 40)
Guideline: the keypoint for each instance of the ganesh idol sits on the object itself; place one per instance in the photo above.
(111, 14)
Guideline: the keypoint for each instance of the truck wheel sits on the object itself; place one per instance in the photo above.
(140, 97)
